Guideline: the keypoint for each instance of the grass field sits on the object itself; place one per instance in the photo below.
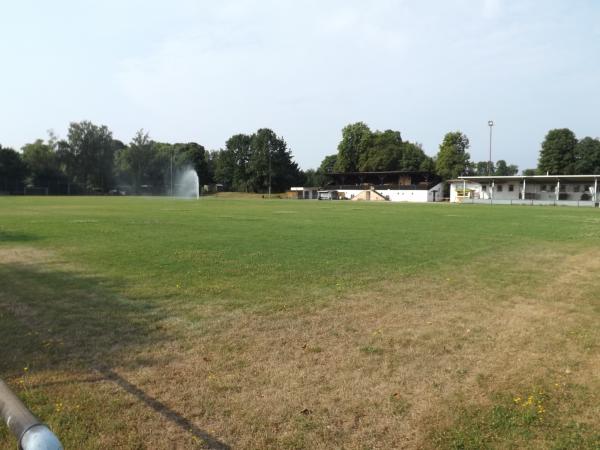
(226, 323)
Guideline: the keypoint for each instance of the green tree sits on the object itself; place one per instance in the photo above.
(42, 163)
(503, 169)
(136, 159)
(356, 139)
(414, 159)
(158, 170)
(224, 168)
(312, 177)
(482, 168)
(13, 170)
(89, 153)
(238, 161)
(557, 155)
(328, 164)
(322, 174)
(587, 153)
(452, 159)
(196, 156)
(271, 163)
(363, 150)
(381, 150)
(529, 172)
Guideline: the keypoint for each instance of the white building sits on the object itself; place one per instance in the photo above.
(394, 186)
(576, 190)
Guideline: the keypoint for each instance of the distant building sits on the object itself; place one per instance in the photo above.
(304, 193)
(575, 190)
(395, 186)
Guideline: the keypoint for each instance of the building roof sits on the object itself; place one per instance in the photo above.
(540, 178)
(384, 172)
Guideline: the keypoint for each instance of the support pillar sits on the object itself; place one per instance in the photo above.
(557, 189)
(492, 190)
(464, 189)
(595, 190)
(524, 187)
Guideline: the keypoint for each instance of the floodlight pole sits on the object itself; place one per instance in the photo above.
(269, 171)
(172, 151)
(491, 125)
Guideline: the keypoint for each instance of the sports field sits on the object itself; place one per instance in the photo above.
(249, 323)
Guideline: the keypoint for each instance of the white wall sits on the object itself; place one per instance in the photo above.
(548, 194)
(397, 195)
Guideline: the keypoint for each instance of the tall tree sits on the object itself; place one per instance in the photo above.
(136, 159)
(452, 159)
(271, 163)
(482, 168)
(90, 151)
(370, 151)
(328, 164)
(557, 155)
(587, 154)
(356, 139)
(13, 170)
(224, 168)
(42, 163)
(381, 150)
(503, 169)
(415, 159)
(237, 160)
(158, 171)
(195, 155)
(322, 175)
(312, 177)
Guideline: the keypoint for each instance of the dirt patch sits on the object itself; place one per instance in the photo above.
(24, 255)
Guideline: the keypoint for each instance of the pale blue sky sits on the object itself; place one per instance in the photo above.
(201, 71)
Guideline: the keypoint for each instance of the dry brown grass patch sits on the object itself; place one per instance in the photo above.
(377, 369)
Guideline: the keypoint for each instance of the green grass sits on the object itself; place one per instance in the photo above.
(118, 277)
(253, 253)
(533, 419)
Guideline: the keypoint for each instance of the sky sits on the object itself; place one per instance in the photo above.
(201, 71)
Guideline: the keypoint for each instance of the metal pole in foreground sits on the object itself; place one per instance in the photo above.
(490, 124)
(31, 434)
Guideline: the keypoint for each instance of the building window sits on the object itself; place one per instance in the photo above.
(484, 188)
(586, 188)
(499, 188)
(511, 188)
(563, 188)
(543, 188)
(576, 188)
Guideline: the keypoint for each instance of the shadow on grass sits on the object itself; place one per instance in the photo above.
(58, 319)
(161, 408)
(9, 236)
(62, 321)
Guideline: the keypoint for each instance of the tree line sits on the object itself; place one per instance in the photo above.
(91, 160)
(563, 153)
(364, 150)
